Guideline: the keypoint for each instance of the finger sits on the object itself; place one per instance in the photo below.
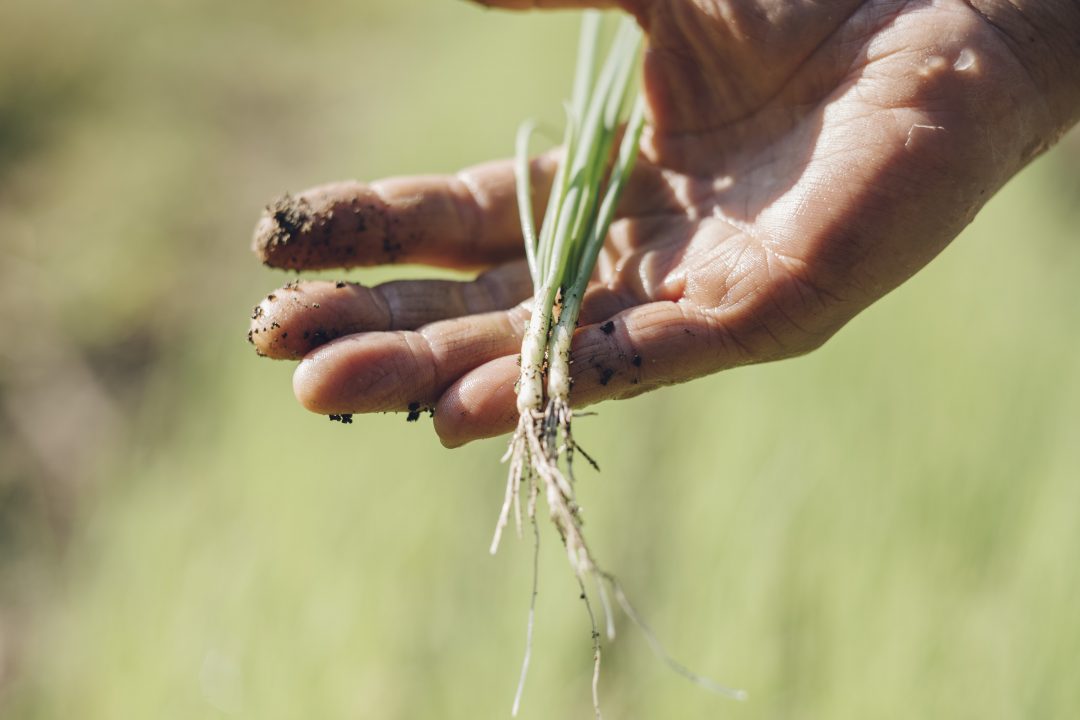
(299, 317)
(393, 371)
(640, 349)
(466, 220)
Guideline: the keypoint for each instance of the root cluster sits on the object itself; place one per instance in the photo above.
(538, 444)
(541, 455)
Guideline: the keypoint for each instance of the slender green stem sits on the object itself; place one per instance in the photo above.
(624, 166)
(556, 200)
(599, 126)
(586, 63)
(523, 175)
(576, 282)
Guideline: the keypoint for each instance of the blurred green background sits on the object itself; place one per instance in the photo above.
(887, 528)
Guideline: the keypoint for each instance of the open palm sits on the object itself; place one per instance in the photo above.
(801, 160)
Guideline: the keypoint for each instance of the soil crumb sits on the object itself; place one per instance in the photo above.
(344, 418)
(608, 327)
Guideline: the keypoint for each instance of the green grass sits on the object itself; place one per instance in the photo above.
(885, 528)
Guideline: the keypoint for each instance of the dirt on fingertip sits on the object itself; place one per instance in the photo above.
(289, 218)
(323, 230)
(293, 321)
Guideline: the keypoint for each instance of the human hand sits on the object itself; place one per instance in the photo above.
(802, 159)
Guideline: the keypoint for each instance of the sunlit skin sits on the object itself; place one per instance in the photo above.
(802, 159)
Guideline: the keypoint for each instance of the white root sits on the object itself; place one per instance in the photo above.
(532, 620)
(541, 444)
(605, 603)
(660, 651)
(517, 470)
(596, 650)
(538, 445)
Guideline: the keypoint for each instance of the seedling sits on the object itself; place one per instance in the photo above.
(561, 258)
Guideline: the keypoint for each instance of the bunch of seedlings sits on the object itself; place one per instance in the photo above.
(605, 105)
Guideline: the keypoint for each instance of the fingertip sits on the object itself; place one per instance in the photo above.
(266, 333)
(309, 383)
(450, 421)
(360, 374)
(261, 238)
(279, 231)
(451, 443)
(447, 421)
(481, 404)
(291, 321)
(336, 225)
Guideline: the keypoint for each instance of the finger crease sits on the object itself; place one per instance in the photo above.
(383, 303)
(426, 349)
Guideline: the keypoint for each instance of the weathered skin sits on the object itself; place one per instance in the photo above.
(803, 159)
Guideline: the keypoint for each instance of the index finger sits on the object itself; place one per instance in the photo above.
(466, 220)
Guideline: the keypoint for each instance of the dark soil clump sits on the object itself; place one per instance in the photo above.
(290, 218)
